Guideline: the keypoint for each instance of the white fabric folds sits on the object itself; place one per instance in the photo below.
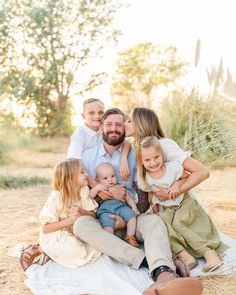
(106, 276)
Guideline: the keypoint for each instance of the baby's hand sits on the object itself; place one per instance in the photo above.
(102, 187)
(124, 169)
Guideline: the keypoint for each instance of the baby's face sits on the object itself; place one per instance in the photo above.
(107, 176)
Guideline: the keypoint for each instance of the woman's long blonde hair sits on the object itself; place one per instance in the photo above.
(146, 142)
(146, 123)
(66, 180)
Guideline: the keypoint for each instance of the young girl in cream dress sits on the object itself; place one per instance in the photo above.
(58, 216)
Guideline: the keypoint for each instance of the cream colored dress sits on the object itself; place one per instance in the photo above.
(62, 246)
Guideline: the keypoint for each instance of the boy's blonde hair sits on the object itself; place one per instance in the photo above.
(66, 180)
(147, 142)
(90, 100)
(146, 123)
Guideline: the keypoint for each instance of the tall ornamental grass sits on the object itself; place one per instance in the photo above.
(205, 126)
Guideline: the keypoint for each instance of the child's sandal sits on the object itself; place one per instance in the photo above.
(28, 256)
(44, 258)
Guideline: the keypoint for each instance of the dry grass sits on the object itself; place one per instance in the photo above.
(20, 208)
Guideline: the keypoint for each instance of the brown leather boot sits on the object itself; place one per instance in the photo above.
(213, 261)
(181, 268)
(188, 259)
(131, 240)
(170, 284)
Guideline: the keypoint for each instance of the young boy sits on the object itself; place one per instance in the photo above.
(90, 134)
(106, 178)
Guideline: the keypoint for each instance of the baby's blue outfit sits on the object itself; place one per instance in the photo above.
(113, 207)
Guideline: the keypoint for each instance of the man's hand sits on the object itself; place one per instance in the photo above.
(118, 192)
(120, 223)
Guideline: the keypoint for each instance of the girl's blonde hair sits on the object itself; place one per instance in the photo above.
(66, 180)
(146, 123)
(147, 142)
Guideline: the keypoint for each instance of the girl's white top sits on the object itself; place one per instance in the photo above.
(174, 171)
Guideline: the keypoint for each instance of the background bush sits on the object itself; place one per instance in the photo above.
(12, 136)
(205, 126)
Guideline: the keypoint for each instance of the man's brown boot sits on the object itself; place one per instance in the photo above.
(170, 284)
(213, 261)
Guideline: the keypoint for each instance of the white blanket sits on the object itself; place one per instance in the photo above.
(106, 276)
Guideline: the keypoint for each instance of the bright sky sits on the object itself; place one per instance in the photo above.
(180, 23)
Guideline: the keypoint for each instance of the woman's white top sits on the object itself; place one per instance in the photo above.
(173, 151)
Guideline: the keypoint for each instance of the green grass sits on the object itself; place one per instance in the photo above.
(12, 139)
(13, 182)
(205, 126)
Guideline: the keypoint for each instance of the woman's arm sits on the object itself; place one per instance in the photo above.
(198, 173)
(174, 189)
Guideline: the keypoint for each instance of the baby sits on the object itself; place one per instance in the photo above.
(106, 178)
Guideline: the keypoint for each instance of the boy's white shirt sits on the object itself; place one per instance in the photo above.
(83, 138)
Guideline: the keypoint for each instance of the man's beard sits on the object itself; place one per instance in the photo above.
(113, 141)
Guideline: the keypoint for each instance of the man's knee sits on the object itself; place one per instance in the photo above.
(82, 224)
(151, 221)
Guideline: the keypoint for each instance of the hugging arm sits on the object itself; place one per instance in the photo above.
(197, 174)
(174, 189)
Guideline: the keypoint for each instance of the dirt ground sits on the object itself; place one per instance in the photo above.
(20, 209)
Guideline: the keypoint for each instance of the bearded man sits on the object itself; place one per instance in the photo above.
(151, 230)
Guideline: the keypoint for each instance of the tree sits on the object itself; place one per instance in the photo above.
(49, 42)
(140, 70)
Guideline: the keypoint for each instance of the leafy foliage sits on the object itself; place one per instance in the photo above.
(141, 69)
(44, 44)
